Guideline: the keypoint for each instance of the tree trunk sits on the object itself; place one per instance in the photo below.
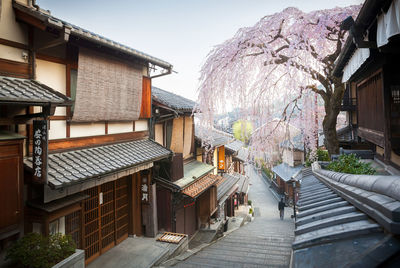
(332, 110)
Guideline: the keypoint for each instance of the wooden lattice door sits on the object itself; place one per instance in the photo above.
(107, 222)
(105, 217)
(122, 209)
(91, 219)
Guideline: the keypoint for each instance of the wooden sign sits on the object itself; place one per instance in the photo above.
(145, 189)
(221, 158)
(40, 152)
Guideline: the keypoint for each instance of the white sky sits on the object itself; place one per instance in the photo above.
(181, 32)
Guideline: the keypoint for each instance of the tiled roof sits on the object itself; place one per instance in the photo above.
(297, 142)
(72, 167)
(234, 146)
(172, 100)
(346, 134)
(214, 137)
(242, 155)
(200, 185)
(224, 188)
(243, 182)
(79, 32)
(192, 171)
(327, 223)
(29, 91)
(285, 172)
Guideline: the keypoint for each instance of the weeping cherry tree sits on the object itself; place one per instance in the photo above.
(274, 70)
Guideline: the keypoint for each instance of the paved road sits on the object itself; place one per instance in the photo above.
(264, 242)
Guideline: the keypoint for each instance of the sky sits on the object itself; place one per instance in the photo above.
(181, 32)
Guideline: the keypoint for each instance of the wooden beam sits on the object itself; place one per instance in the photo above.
(373, 136)
(58, 117)
(13, 44)
(62, 39)
(83, 142)
(59, 60)
(386, 102)
(14, 68)
(29, 19)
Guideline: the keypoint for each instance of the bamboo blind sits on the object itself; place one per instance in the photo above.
(107, 89)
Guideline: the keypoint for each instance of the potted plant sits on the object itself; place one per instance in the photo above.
(38, 251)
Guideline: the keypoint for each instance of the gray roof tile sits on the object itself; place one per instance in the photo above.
(214, 137)
(234, 146)
(325, 229)
(172, 100)
(54, 22)
(70, 167)
(230, 181)
(285, 171)
(29, 91)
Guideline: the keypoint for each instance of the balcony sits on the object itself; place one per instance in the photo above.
(349, 104)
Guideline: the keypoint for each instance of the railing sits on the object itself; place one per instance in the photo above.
(349, 104)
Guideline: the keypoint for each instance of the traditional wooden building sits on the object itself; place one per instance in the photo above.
(235, 156)
(368, 67)
(210, 149)
(227, 196)
(88, 167)
(283, 174)
(186, 191)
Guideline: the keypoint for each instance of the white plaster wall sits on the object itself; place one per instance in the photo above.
(10, 29)
(380, 150)
(199, 154)
(287, 157)
(298, 156)
(395, 158)
(159, 134)
(87, 129)
(37, 109)
(215, 161)
(141, 125)
(53, 75)
(12, 53)
(58, 129)
(119, 127)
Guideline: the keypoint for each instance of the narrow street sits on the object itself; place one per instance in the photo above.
(264, 242)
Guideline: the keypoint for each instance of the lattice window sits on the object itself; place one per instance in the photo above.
(72, 227)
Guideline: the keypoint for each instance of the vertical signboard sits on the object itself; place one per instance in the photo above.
(221, 158)
(39, 153)
(145, 188)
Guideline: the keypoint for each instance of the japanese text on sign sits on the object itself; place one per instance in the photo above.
(39, 154)
(145, 189)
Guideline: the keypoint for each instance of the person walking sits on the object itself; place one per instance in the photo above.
(281, 207)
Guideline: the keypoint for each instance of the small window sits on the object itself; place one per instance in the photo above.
(57, 226)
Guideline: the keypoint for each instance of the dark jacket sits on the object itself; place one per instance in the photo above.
(281, 205)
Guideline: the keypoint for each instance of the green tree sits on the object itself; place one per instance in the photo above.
(242, 130)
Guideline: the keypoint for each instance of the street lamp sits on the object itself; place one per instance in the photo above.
(294, 198)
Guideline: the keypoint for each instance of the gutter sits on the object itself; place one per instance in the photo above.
(56, 23)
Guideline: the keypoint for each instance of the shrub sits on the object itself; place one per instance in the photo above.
(249, 202)
(351, 164)
(250, 211)
(36, 251)
(268, 172)
(322, 155)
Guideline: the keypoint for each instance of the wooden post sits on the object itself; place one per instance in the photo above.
(386, 110)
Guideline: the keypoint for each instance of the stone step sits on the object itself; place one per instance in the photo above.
(323, 223)
(325, 215)
(320, 203)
